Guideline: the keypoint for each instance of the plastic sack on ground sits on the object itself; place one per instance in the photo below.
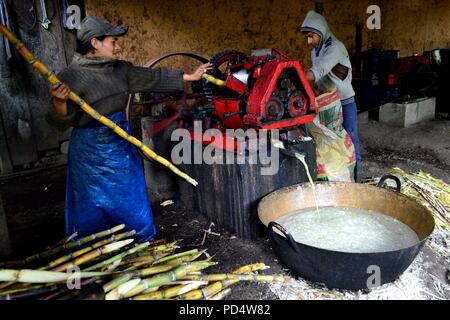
(334, 147)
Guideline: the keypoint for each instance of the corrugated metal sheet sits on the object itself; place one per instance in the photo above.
(229, 193)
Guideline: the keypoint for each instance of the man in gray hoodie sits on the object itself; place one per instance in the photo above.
(331, 67)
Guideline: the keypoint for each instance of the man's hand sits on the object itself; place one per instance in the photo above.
(310, 76)
(197, 75)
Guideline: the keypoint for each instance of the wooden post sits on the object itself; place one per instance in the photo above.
(5, 245)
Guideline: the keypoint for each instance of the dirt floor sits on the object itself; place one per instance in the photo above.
(425, 146)
(34, 206)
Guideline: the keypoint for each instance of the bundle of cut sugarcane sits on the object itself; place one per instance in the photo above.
(42, 273)
(428, 191)
(146, 276)
(183, 282)
(145, 271)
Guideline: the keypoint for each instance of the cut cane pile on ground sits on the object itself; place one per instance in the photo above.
(114, 267)
(144, 271)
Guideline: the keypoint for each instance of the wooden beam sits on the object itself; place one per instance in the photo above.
(5, 158)
(5, 245)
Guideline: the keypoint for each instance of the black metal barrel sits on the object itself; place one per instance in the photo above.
(336, 269)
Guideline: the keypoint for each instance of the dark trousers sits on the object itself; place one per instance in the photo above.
(350, 124)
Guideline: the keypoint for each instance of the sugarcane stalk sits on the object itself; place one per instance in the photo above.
(166, 267)
(111, 247)
(42, 276)
(121, 290)
(63, 241)
(111, 267)
(210, 78)
(116, 282)
(147, 251)
(16, 287)
(151, 270)
(429, 181)
(157, 260)
(221, 294)
(174, 262)
(164, 246)
(63, 290)
(53, 295)
(60, 246)
(129, 266)
(156, 242)
(80, 252)
(239, 277)
(170, 292)
(206, 292)
(158, 248)
(71, 245)
(150, 289)
(158, 280)
(118, 257)
(146, 283)
(151, 251)
(177, 255)
(28, 293)
(161, 248)
(250, 268)
(430, 192)
(12, 291)
(51, 77)
(218, 286)
(51, 252)
(66, 239)
(25, 287)
(438, 207)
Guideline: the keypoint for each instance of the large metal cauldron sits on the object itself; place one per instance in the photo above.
(342, 269)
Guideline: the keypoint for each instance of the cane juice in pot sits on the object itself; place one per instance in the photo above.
(348, 229)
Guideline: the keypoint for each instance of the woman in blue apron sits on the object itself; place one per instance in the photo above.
(105, 177)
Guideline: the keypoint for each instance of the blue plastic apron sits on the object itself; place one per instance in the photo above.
(105, 182)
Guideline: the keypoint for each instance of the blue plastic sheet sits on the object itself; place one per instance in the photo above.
(105, 182)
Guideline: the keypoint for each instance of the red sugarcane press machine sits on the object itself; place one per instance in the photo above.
(265, 90)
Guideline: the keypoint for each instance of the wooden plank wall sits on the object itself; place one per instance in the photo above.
(25, 95)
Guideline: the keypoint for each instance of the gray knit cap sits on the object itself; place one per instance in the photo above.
(94, 27)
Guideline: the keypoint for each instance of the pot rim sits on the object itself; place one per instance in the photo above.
(330, 184)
